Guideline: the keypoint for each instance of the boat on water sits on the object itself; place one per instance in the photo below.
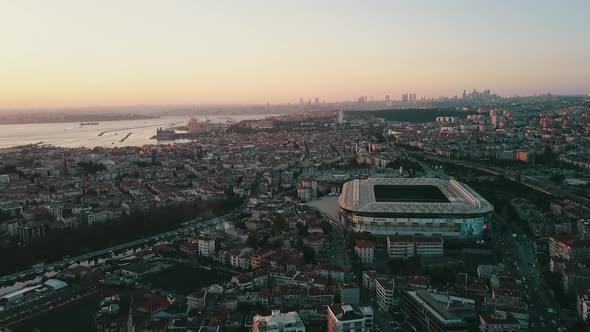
(88, 123)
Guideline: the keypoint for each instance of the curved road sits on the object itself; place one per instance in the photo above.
(191, 225)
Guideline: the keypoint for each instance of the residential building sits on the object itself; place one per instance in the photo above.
(330, 271)
(345, 318)
(197, 300)
(438, 312)
(583, 303)
(369, 279)
(349, 293)
(206, 245)
(365, 250)
(567, 247)
(429, 246)
(400, 247)
(114, 315)
(278, 322)
(405, 247)
(518, 310)
(96, 217)
(584, 229)
(498, 322)
(31, 231)
(10, 209)
(369, 316)
(384, 289)
(189, 248)
(317, 241)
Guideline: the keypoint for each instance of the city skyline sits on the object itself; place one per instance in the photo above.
(73, 54)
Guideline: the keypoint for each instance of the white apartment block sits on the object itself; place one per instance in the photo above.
(384, 290)
(405, 247)
(365, 250)
(278, 322)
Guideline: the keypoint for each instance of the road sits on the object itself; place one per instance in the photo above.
(190, 226)
(520, 257)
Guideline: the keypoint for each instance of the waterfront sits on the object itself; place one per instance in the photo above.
(73, 135)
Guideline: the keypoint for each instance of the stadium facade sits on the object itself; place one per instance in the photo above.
(413, 206)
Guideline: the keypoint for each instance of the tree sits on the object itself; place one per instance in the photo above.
(326, 227)
(252, 241)
(301, 230)
(442, 276)
(280, 223)
(90, 167)
(308, 254)
(557, 178)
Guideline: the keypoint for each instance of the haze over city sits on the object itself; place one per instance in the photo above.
(294, 166)
(77, 53)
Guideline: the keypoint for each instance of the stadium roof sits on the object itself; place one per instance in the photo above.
(359, 196)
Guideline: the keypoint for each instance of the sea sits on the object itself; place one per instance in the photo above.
(105, 134)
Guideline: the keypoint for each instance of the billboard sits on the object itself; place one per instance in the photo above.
(473, 227)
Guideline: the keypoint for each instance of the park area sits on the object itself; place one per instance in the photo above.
(75, 316)
(184, 279)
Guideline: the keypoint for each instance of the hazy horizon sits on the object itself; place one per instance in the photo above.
(71, 54)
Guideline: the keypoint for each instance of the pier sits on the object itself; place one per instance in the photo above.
(120, 129)
(126, 137)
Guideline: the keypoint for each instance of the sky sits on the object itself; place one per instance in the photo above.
(123, 52)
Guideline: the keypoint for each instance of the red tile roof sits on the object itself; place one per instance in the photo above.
(363, 244)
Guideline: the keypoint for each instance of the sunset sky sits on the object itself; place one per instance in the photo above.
(115, 52)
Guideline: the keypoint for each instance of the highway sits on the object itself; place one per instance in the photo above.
(191, 225)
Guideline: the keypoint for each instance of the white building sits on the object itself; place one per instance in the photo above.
(206, 245)
(365, 250)
(56, 210)
(369, 279)
(384, 290)
(498, 322)
(405, 247)
(5, 178)
(584, 229)
(400, 247)
(583, 303)
(278, 322)
(31, 231)
(335, 272)
(345, 318)
(429, 246)
(197, 300)
(369, 316)
(98, 217)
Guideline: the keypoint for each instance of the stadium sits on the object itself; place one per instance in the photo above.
(414, 207)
